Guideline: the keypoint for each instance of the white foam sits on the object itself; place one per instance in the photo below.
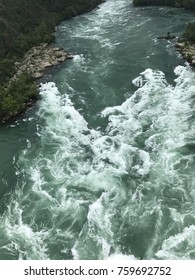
(77, 168)
(29, 243)
(178, 246)
(79, 58)
(121, 257)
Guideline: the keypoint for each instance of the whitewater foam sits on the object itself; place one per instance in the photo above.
(92, 191)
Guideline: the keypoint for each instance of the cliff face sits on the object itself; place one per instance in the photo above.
(25, 23)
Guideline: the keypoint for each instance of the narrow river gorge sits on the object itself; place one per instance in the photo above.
(103, 166)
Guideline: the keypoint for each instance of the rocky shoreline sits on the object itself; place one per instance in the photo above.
(20, 91)
(187, 50)
(39, 59)
(35, 63)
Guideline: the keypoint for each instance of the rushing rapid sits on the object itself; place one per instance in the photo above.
(107, 167)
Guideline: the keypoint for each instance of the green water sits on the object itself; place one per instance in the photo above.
(103, 166)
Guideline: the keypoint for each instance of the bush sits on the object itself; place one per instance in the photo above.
(15, 97)
(189, 57)
(189, 34)
(6, 69)
(189, 4)
(27, 23)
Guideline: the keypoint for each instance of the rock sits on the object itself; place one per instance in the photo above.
(70, 56)
(61, 59)
(59, 54)
(17, 64)
(57, 49)
(39, 59)
(180, 45)
(45, 64)
(167, 37)
(54, 63)
(187, 50)
(37, 75)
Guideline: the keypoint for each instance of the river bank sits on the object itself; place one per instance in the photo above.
(36, 62)
(187, 50)
(28, 71)
(187, 46)
(32, 66)
(39, 59)
(187, 4)
(103, 167)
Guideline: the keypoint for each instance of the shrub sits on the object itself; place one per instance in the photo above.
(189, 34)
(14, 98)
(189, 57)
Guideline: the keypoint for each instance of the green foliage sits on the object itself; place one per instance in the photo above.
(154, 2)
(13, 99)
(6, 69)
(188, 4)
(42, 33)
(189, 57)
(26, 23)
(189, 34)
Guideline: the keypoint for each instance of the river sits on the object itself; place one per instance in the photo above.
(103, 166)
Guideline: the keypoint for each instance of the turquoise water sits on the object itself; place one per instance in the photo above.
(103, 166)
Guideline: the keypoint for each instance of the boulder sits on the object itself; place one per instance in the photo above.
(180, 45)
(192, 63)
(165, 37)
(44, 65)
(37, 75)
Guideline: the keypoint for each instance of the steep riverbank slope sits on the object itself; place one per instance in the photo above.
(102, 167)
(23, 25)
(188, 4)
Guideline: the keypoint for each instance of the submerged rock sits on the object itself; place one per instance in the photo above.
(168, 36)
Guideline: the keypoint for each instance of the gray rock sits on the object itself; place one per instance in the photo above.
(39, 59)
(180, 45)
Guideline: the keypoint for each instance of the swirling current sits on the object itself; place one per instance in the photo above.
(103, 166)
